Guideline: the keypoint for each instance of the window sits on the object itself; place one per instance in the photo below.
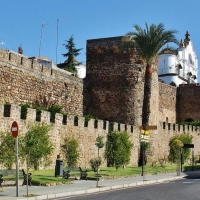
(191, 60)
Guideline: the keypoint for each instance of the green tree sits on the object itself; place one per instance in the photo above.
(7, 149)
(177, 142)
(118, 149)
(70, 148)
(149, 42)
(144, 146)
(37, 144)
(72, 53)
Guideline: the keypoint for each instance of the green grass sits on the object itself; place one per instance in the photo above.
(47, 177)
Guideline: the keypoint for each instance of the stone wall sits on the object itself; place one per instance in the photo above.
(113, 87)
(23, 80)
(167, 103)
(188, 106)
(69, 127)
(86, 136)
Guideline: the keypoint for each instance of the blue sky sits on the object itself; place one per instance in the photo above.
(21, 22)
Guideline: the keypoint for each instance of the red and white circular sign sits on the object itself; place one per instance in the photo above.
(14, 129)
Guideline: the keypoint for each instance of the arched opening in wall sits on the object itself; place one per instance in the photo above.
(166, 120)
(75, 121)
(189, 120)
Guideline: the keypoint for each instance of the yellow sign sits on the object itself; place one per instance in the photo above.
(144, 132)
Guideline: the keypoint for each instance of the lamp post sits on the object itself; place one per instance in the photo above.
(98, 162)
(99, 143)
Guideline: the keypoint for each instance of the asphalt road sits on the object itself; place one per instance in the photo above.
(183, 189)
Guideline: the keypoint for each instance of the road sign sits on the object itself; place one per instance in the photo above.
(145, 137)
(148, 127)
(14, 129)
(144, 132)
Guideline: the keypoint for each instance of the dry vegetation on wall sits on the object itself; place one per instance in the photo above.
(41, 82)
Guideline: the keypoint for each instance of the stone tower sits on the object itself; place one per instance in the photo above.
(113, 87)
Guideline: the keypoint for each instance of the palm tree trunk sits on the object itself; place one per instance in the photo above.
(147, 95)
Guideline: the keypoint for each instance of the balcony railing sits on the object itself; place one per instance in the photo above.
(180, 73)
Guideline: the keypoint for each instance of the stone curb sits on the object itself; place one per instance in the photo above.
(100, 189)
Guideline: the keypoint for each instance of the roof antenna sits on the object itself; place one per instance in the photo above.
(58, 20)
(43, 26)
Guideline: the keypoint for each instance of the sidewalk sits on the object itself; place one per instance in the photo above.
(83, 187)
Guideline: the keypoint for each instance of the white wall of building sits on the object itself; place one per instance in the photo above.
(181, 68)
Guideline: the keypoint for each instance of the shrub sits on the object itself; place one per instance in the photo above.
(118, 149)
(175, 144)
(70, 148)
(95, 163)
(24, 108)
(37, 144)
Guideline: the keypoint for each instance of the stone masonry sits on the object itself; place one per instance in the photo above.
(23, 80)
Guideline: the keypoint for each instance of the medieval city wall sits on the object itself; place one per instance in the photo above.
(24, 80)
(113, 87)
(188, 106)
(167, 103)
(86, 136)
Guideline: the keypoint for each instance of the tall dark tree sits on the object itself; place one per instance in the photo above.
(72, 52)
(149, 42)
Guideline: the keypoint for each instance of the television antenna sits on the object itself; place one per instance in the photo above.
(43, 26)
(58, 20)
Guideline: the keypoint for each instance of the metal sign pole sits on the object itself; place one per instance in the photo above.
(17, 167)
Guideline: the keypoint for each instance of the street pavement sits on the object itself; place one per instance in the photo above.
(85, 187)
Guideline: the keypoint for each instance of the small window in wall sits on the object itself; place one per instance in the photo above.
(131, 129)
(174, 127)
(119, 127)
(166, 119)
(9, 56)
(64, 122)
(163, 125)
(76, 121)
(7, 108)
(104, 124)
(111, 126)
(95, 123)
(125, 127)
(191, 60)
(21, 60)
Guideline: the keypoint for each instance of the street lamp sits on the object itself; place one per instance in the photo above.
(99, 143)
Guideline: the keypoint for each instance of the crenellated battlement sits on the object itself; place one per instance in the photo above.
(23, 63)
(87, 132)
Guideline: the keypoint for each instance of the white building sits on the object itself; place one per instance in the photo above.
(180, 68)
(81, 69)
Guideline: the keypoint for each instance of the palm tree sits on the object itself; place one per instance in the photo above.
(149, 43)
